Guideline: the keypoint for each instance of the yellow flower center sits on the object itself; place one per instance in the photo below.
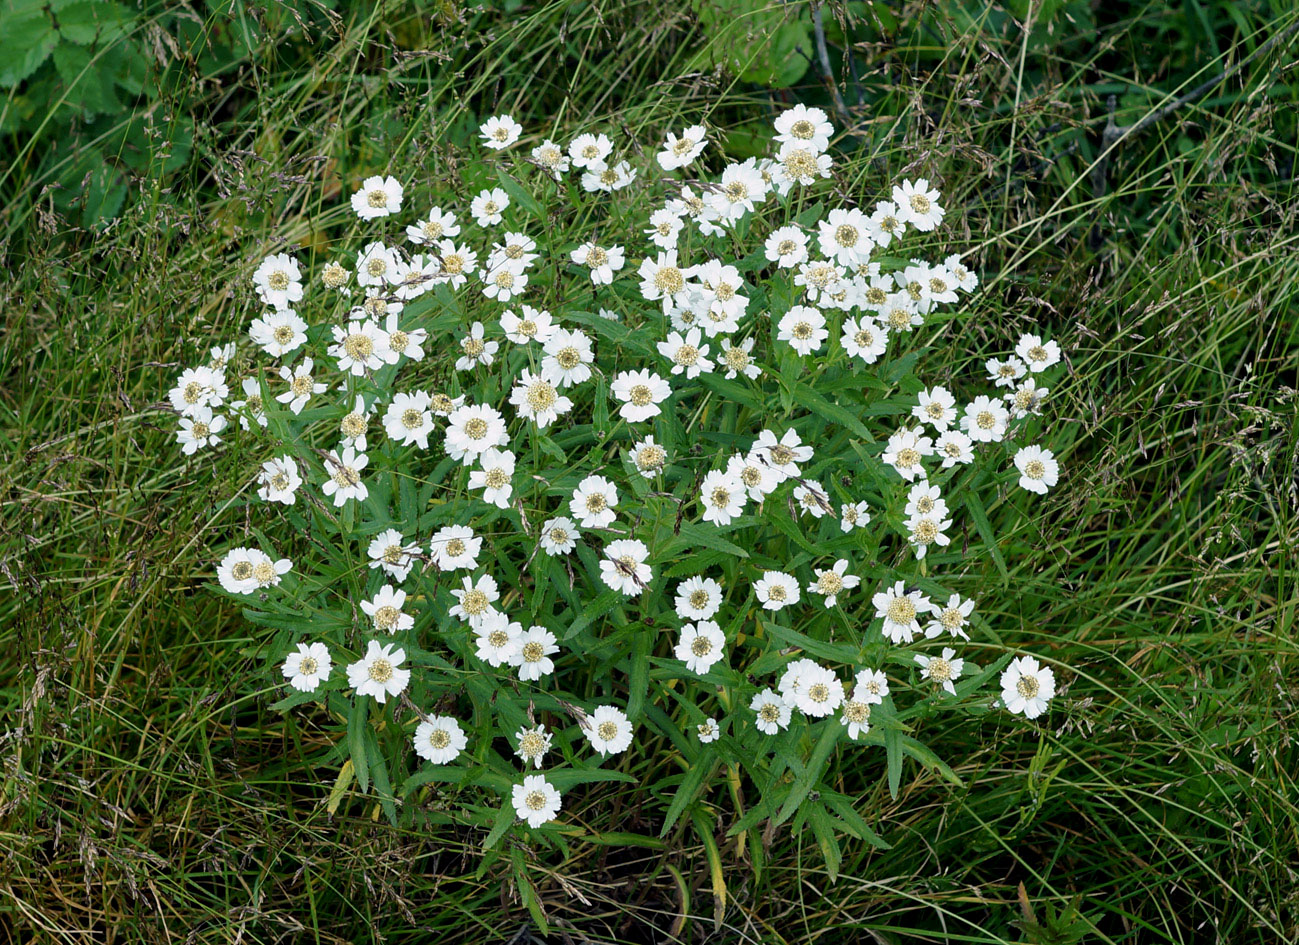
(241, 570)
(381, 671)
(476, 428)
(902, 611)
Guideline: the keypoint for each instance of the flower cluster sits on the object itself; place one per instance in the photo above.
(513, 442)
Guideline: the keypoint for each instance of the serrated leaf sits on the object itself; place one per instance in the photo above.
(804, 783)
(29, 38)
(700, 770)
(520, 196)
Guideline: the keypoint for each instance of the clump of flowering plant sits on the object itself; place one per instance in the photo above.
(561, 475)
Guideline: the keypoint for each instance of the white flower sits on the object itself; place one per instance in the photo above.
(551, 158)
(535, 800)
(361, 347)
(782, 455)
(786, 247)
(198, 387)
(590, 151)
(602, 262)
(532, 654)
(497, 639)
(488, 206)
(623, 566)
(701, 645)
(474, 600)
(278, 281)
(952, 617)
(818, 692)
(664, 229)
(384, 610)
(758, 477)
(854, 515)
(388, 551)
(686, 353)
(439, 739)
(1005, 373)
(776, 589)
(472, 430)
(1024, 400)
(811, 498)
(819, 278)
(905, 450)
(593, 502)
(568, 358)
(928, 529)
(503, 283)
(864, 338)
(438, 225)
(532, 325)
(500, 131)
(308, 667)
(899, 610)
(379, 672)
(661, 278)
(738, 359)
(495, 478)
(559, 535)
(943, 670)
(925, 499)
(833, 581)
(458, 263)
(405, 343)
(937, 407)
(954, 447)
(985, 420)
(1027, 686)
(536, 398)
(279, 480)
(648, 457)
(474, 350)
(918, 204)
(678, 152)
(772, 712)
(532, 745)
(344, 480)
(796, 163)
(708, 731)
(856, 716)
(843, 236)
(455, 547)
(1036, 353)
(408, 419)
(278, 332)
(722, 496)
(966, 280)
(608, 730)
(886, 223)
(928, 285)
(235, 571)
(698, 598)
(302, 386)
(871, 686)
(809, 127)
(641, 392)
(354, 425)
(1038, 469)
(199, 429)
(899, 313)
(608, 179)
(377, 265)
(378, 197)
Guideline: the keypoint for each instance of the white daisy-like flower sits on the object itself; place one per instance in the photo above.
(535, 800)
(641, 393)
(819, 692)
(344, 480)
(495, 477)
(924, 530)
(588, 151)
(500, 131)
(455, 547)
(475, 599)
(199, 430)
(786, 247)
(377, 197)
(782, 455)
(378, 265)
(952, 617)
(551, 158)
(936, 407)
(738, 359)
(701, 645)
(819, 278)
(354, 426)
(772, 712)
(601, 261)
(809, 127)
(664, 228)
(1027, 686)
(608, 179)
(648, 457)
(568, 359)
(497, 639)
(593, 502)
(220, 357)
(384, 610)
(459, 262)
(379, 673)
(662, 278)
(854, 515)
(487, 208)
(966, 280)
(439, 739)
(623, 566)
(811, 498)
(278, 281)
(529, 325)
(932, 286)
(438, 225)
(472, 430)
(503, 283)
(722, 496)
(1026, 399)
(533, 654)
(422, 272)
(918, 204)
(871, 686)
(833, 581)
(985, 420)
(388, 550)
(1037, 354)
(559, 535)
(758, 477)
(474, 350)
(796, 163)
(608, 730)
(856, 715)
(235, 571)
(899, 313)
(864, 338)
(899, 610)
(1007, 372)
(279, 480)
(698, 598)
(443, 405)
(904, 452)
(278, 332)
(531, 745)
(925, 499)
(679, 151)
(708, 731)
(302, 385)
(380, 300)
(1038, 469)
(776, 590)
(686, 353)
(405, 344)
(886, 224)
(361, 347)
(537, 399)
(408, 419)
(308, 666)
(843, 237)
(198, 387)
(954, 447)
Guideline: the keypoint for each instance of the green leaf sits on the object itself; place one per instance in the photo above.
(565, 778)
(815, 402)
(700, 771)
(29, 38)
(695, 535)
(357, 723)
(823, 828)
(379, 769)
(893, 749)
(804, 783)
(505, 818)
(594, 610)
(520, 196)
(980, 516)
(853, 822)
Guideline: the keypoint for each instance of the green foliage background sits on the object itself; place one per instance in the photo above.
(152, 153)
